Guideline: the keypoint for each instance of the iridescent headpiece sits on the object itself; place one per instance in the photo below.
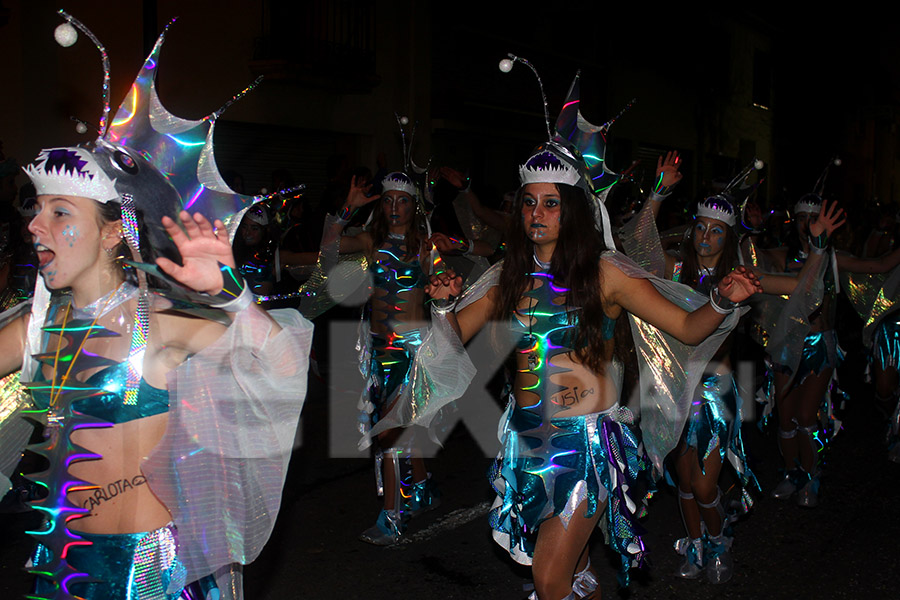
(412, 179)
(575, 155)
(146, 159)
(257, 214)
(717, 207)
(150, 162)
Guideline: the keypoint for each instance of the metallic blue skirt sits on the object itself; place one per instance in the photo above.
(575, 464)
(132, 566)
(886, 347)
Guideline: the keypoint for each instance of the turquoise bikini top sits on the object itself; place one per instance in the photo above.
(108, 404)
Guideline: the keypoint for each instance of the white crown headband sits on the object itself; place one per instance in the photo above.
(399, 182)
(717, 207)
(810, 203)
(71, 172)
(546, 166)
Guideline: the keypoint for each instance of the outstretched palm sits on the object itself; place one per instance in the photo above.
(830, 218)
(202, 247)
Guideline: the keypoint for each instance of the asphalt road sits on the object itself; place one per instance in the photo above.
(845, 548)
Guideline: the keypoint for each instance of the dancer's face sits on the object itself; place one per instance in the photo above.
(541, 212)
(70, 239)
(251, 232)
(709, 236)
(398, 208)
(802, 221)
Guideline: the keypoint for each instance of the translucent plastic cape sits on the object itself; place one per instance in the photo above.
(781, 323)
(784, 321)
(873, 297)
(640, 240)
(221, 464)
(669, 369)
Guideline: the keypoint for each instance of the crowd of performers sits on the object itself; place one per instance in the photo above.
(158, 381)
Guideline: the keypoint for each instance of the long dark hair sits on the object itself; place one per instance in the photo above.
(415, 237)
(690, 266)
(575, 265)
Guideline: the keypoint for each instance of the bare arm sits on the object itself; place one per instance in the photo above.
(639, 297)
(471, 319)
(854, 264)
(448, 245)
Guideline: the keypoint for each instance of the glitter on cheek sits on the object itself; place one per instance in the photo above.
(71, 234)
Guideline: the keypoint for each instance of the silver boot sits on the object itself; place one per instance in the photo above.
(693, 564)
(720, 566)
(808, 495)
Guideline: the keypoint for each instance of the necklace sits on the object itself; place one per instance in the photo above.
(57, 390)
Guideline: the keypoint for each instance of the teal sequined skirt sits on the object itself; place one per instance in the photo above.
(714, 421)
(886, 348)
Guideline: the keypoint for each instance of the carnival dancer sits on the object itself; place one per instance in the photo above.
(713, 431)
(804, 348)
(168, 435)
(256, 252)
(398, 254)
(571, 454)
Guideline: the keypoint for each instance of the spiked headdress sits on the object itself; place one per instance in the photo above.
(574, 155)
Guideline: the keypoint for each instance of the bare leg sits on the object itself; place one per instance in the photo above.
(706, 491)
(788, 408)
(685, 461)
(559, 551)
(810, 393)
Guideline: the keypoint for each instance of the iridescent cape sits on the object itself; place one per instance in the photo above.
(874, 297)
(784, 322)
(233, 414)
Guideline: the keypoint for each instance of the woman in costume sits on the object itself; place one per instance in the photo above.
(803, 369)
(163, 474)
(713, 430)
(398, 253)
(255, 251)
(570, 452)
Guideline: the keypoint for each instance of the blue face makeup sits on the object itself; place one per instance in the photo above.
(70, 233)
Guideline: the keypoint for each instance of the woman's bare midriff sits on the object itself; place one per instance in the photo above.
(122, 502)
(575, 391)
